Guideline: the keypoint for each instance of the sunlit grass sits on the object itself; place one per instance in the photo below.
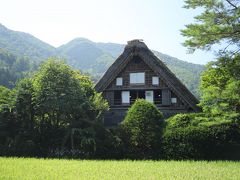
(30, 168)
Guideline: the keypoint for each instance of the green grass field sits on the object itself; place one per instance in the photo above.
(27, 168)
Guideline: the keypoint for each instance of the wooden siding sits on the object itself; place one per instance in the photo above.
(109, 96)
(155, 64)
(138, 65)
(166, 97)
(132, 67)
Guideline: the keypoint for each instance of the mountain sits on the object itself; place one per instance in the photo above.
(13, 68)
(188, 73)
(88, 56)
(95, 58)
(91, 57)
(23, 44)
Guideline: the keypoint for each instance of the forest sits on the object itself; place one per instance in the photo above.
(49, 109)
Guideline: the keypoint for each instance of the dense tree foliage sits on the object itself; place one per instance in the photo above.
(219, 22)
(197, 136)
(66, 99)
(13, 68)
(5, 97)
(142, 125)
(55, 110)
(221, 86)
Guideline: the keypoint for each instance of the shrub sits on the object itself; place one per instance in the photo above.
(142, 127)
(108, 143)
(195, 136)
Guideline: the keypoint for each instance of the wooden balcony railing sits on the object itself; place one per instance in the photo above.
(119, 101)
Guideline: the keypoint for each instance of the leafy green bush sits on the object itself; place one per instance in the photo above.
(195, 136)
(141, 129)
(108, 143)
(55, 109)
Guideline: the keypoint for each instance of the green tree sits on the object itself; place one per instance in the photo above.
(65, 103)
(220, 85)
(56, 108)
(57, 92)
(5, 111)
(5, 97)
(8, 124)
(13, 68)
(199, 136)
(218, 23)
(23, 106)
(143, 124)
(63, 95)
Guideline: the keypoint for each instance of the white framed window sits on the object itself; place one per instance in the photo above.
(125, 97)
(149, 96)
(155, 80)
(174, 100)
(119, 81)
(137, 78)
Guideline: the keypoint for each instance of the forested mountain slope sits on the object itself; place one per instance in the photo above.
(23, 44)
(13, 68)
(95, 58)
(88, 56)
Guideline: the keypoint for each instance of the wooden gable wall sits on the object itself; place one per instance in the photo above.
(138, 65)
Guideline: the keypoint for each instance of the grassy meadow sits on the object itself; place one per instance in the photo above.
(30, 168)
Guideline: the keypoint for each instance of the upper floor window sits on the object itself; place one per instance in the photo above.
(137, 78)
(173, 100)
(155, 80)
(119, 81)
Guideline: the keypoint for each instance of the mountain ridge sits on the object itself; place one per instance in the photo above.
(88, 56)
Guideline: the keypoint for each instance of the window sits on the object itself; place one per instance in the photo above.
(174, 100)
(117, 98)
(119, 81)
(137, 78)
(136, 94)
(158, 96)
(125, 97)
(149, 96)
(155, 80)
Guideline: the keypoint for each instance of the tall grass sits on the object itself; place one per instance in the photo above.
(30, 168)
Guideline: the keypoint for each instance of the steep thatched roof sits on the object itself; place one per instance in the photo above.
(139, 48)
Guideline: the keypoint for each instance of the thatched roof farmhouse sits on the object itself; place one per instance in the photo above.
(138, 73)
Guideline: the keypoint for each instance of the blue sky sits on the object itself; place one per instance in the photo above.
(157, 22)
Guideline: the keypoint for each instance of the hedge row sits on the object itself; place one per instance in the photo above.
(196, 136)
